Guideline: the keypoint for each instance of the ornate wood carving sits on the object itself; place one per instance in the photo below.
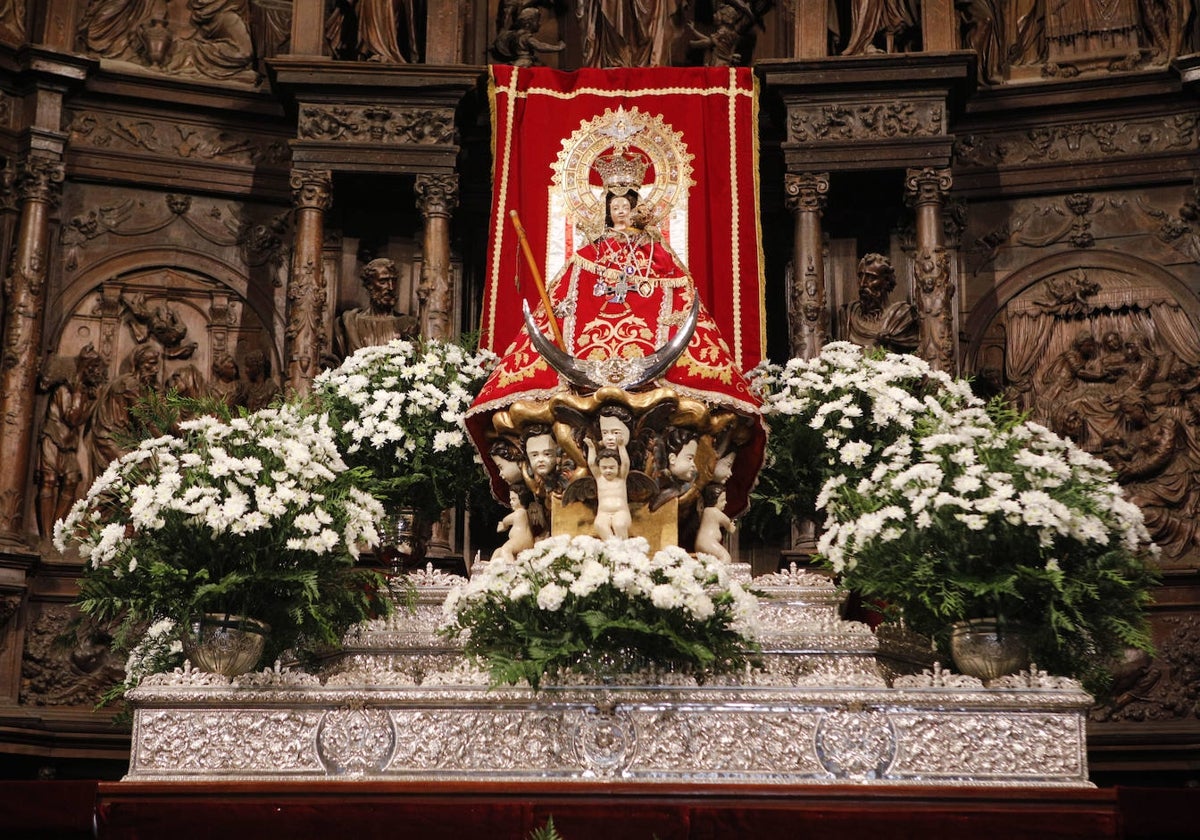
(838, 121)
(208, 38)
(174, 139)
(73, 675)
(1165, 687)
(1078, 141)
(1103, 351)
(306, 335)
(389, 124)
(925, 190)
(38, 186)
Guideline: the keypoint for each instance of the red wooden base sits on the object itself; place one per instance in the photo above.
(367, 810)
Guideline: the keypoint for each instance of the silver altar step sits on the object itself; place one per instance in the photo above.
(829, 708)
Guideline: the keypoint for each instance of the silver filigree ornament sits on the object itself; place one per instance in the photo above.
(856, 745)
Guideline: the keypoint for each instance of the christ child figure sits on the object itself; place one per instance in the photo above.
(610, 468)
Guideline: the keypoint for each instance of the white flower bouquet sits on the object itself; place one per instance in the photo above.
(834, 414)
(256, 516)
(399, 411)
(978, 514)
(578, 603)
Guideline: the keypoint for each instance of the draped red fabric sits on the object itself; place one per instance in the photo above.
(713, 109)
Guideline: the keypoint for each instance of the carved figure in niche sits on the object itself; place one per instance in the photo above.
(107, 26)
(111, 425)
(983, 32)
(71, 404)
(380, 322)
(520, 532)
(731, 21)
(1157, 464)
(516, 39)
(162, 323)
(373, 30)
(226, 382)
(261, 387)
(1166, 22)
(714, 523)
(871, 18)
(1077, 27)
(1029, 46)
(221, 46)
(627, 33)
(188, 382)
(871, 321)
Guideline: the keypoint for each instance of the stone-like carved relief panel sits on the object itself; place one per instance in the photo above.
(1105, 352)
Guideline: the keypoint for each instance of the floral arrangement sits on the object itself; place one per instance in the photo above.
(572, 603)
(977, 513)
(399, 409)
(256, 516)
(835, 413)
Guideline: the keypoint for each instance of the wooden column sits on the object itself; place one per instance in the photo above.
(939, 26)
(308, 27)
(444, 21)
(39, 187)
(307, 294)
(805, 198)
(810, 29)
(925, 191)
(437, 197)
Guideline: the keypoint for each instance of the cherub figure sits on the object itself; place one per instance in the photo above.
(520, 534)
(610, 468)
(714, 522)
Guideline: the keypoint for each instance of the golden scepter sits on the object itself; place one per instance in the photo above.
(537, 279)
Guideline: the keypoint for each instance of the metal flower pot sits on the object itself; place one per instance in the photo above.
(225, 644)
(983, 648)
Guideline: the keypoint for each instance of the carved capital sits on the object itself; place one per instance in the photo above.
(806, 192)
(437, 195)
(39, 178)
(312, 189)
(926, 185)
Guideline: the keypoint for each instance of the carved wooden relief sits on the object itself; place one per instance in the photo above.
(871, 120)
(1078, 141)
(1104, 349)
(376, 124)
(158, 292)
(207, 38)
(74, 674)
(142, 133)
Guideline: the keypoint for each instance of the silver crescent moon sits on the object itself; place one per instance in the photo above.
(621, 373)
